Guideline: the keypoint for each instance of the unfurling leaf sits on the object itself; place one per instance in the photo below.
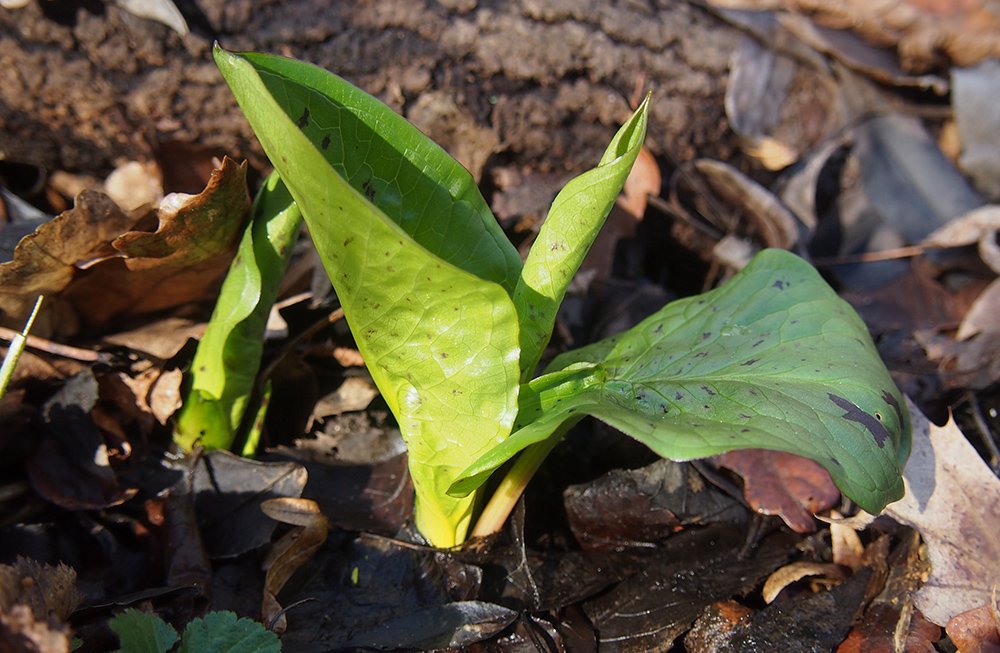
(420, 265)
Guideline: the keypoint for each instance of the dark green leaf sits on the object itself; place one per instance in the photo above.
(771, 360)
(222, 632)
(141, 632)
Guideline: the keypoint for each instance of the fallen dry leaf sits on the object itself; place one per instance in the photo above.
(775, 226)
(976, 631)
(46, 261)
(977, 118)
(978, 226)
(966, 31)
(778, 483)
(970, 360)
(49, 592)
(953, 499)
(890, 624)
(93, 270)
(828, 574)
(291, 551)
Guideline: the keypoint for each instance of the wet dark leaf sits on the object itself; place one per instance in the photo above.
(643, 506)
(228, 493)
(692, 570)
(379, 594)
(71, 466)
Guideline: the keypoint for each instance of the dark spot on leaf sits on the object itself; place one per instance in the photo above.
(753, 392)
(744, 416)
(348, 241)
(889, 399)
(326, 142)
(706, 335)
(658, 329)
(202, 368)
(706, 407)
(708, 391)
(855, 414)
(203, 432)
(369, 190)
(749, 362)
(303, 120)
(678, 396)
(779, 284)
(758, 343)
(664, 408)
(456, 392)
(744, 430)
(443, 355)
(701, 354)
(794, 322)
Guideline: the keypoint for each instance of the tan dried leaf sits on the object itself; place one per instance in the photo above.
(953, 499)
(830, 574)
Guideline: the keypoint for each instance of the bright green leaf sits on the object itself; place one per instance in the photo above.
(222, 632)
(224, 369)
(417, 260)
(390, 162)
(141, 632)
(772, 360)
(576, 216)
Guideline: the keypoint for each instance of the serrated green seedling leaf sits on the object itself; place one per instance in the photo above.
(225, 365)
(772, 360)
(141, 632)
(573, 221)
(422, 270)
(222, 632)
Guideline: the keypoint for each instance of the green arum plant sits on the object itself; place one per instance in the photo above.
(452, 324)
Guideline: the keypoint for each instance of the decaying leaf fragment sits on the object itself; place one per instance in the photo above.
(291, 551)
(35, 601)
(953, 499)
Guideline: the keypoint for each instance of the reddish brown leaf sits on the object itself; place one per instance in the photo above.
(777, 483)
(975, 631)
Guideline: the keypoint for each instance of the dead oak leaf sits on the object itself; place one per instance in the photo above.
(953, 499)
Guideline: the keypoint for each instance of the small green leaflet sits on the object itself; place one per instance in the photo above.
(420, 265)
(141, 632)
(571, 225)
(772, 360)
(224, 369)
